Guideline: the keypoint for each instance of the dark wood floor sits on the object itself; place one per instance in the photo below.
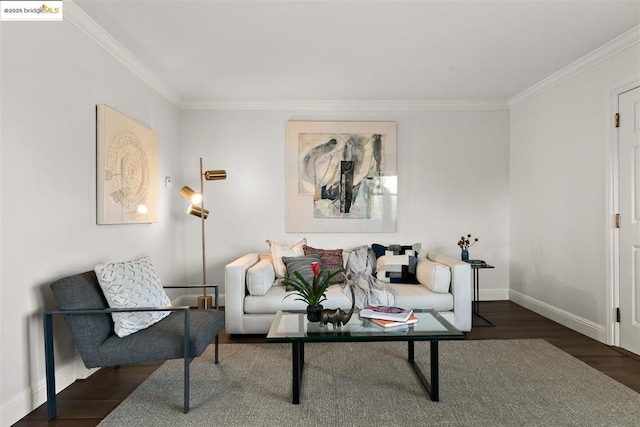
(87, 402)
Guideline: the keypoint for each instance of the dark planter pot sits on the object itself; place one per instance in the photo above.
(465, 255)
(314, 312)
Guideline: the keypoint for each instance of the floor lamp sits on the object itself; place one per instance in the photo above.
(197, 209)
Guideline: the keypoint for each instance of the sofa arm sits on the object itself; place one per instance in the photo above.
(460, 288)
(235, 287)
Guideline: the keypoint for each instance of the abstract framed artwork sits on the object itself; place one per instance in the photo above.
(127, 169)
(341, 177)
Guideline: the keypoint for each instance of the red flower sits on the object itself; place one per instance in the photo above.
(316, 268)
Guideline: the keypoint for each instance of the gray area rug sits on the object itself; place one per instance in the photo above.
(482, 383)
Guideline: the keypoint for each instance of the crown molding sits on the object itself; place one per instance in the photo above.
(620, 43)
(91, 28)
(76, 16)
(349, 105)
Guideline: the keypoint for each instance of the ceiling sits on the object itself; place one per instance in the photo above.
(359, 50)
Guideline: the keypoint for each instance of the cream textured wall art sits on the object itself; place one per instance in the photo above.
(127, 169)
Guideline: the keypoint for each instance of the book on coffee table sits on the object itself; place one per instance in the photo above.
(386, 312)
(392, 323)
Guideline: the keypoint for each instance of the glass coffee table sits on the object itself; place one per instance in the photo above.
(293, 327)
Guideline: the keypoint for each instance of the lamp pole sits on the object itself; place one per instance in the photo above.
(204, 301)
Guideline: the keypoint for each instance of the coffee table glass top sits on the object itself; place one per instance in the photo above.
(293, 326)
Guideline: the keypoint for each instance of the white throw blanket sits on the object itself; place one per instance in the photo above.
(367, 288)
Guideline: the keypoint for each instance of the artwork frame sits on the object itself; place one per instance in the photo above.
(341, 176)
(126, 169)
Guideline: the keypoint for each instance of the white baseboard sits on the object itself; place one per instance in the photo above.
(82, 372)
(494, 294)
(21, 405)
(570, 320)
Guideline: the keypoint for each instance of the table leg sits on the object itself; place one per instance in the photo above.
(297, 357)
(476, 291)
(432, 387)
(435, 369)
(476, 298)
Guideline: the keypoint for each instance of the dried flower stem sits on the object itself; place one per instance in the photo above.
(466, 242)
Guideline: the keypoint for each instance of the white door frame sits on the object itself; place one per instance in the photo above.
(612, 207)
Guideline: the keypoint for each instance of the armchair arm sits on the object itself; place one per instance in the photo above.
(52, 408)
(115, 310)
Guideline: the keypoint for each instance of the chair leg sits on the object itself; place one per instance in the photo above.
(216, 349)
(186, 385)
(187, 361)
(52, 407)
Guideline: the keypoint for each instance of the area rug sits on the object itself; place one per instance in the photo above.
(482, 383)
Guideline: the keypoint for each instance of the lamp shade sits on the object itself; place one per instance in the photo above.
(190, 194)
(197, 211)
(214, 175)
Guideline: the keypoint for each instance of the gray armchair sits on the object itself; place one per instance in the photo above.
(183, 334)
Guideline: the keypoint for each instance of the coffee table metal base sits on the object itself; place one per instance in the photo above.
(431, 386)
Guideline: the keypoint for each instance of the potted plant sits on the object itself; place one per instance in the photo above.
(312, 293)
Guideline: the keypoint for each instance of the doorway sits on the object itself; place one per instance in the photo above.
(627, 219)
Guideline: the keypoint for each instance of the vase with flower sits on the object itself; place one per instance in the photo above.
(465, 243)
(312, 293)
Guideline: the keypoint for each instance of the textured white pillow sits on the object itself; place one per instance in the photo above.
(434, 276)
(260, 277)
(129, 284)
(278, 251)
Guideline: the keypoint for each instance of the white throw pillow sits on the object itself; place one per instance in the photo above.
(434, 276)
(278, 251)
(260, 277)
(130, 284)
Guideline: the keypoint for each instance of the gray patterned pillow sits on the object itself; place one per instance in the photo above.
(301, 264)
(129, 284)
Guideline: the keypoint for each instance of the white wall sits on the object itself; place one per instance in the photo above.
(52, 78)
(559, 171)
(453, 180)
(453, 168)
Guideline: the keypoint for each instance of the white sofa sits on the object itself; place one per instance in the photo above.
(253, 314)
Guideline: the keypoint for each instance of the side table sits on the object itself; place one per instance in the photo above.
(476, 266)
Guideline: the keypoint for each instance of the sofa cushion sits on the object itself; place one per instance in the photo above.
(436, 277)
(405, 296)
(275, 300)
(420, 297)
(392, 268)
(301, 264)
(331, 260)
(278, 251)
(129, 284)
(260, 277)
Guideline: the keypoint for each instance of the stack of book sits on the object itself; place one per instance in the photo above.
(388, 316)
